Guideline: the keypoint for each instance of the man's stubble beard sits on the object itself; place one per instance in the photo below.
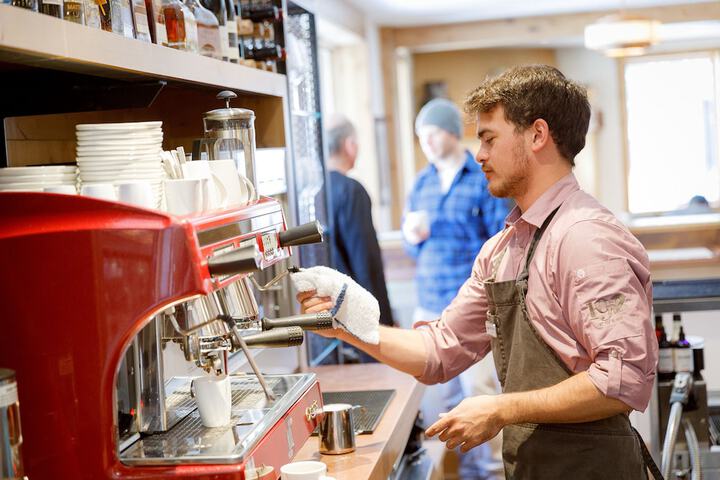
(516, 183)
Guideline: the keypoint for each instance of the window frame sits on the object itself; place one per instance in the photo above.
(714, 55)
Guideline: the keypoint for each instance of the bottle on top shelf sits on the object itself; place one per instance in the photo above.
(208, 30)
(74, 11)
(122, 18)
(218, 8)
(234, 52)
(659, 329)
(258, 12)
(677, 323)
(180, 26)
(54, 8)
(140, 20)
(26, 4)
(91, 9)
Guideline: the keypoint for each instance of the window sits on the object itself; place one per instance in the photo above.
(672, 131)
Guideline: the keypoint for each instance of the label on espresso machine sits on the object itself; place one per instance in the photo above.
(8, 394)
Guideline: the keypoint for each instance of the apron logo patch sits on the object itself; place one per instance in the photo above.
(605, 312)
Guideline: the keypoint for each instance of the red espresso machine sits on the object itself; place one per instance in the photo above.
(95, 294)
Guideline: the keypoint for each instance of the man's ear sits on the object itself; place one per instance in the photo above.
(540, 135)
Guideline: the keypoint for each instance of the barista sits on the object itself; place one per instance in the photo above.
(561, 296)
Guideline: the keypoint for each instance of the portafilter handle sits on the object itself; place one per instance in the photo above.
(275, 338)
(306, 321)
(240, 260)
(305, 234)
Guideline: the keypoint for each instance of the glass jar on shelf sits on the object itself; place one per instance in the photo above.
(217, 7)
(140, 20)
(208, 30)
(74, 11)
(180, 26)
(121, 18)
(26, 4)
(91, 9)
(54, 8)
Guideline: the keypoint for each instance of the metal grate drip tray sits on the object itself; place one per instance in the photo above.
(375, 402)
(252, 417)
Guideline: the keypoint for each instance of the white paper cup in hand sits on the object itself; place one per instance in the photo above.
(309, 470)
(213, 398)
(105, 191)
(137, 193)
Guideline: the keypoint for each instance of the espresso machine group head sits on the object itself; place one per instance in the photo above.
(102, 301)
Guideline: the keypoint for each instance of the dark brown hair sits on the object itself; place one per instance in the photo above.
(531, 92)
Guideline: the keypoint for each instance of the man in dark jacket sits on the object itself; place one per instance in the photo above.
(354, 244)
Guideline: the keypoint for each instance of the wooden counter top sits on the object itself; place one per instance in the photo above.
(377, 453)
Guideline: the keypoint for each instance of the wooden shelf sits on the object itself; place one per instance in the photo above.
(38, 40)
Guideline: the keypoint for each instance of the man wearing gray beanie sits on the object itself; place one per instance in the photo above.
(448, 216)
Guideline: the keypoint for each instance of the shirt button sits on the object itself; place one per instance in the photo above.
(614, 354)
(580, 273)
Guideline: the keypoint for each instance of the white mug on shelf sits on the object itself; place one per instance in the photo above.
(105, 191)
(185, 196)
(214, 399)
(217, 196)
(137, 193)
(64, 189)
(240, 191)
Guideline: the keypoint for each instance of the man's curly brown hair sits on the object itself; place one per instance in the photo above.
(531, 92)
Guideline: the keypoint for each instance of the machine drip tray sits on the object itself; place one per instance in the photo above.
(375, 402)
(252, 418)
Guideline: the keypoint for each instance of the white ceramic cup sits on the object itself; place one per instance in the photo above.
(308, 470)
(217, 196)
(185, 196)
(105, 191)
(137, 193)
(65, 189)
(214, 400)
(240, 190)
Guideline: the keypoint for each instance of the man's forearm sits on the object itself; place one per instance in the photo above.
(571, 401)
(400, 348)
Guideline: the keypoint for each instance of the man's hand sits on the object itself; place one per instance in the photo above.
(475, 421)
(309, 303)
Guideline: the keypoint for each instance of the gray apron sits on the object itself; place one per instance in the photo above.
(604, 449)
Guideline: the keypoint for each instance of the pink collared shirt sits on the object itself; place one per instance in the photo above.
(589, 296)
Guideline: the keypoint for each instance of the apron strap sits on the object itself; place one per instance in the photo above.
(533, 245)
(649, 462)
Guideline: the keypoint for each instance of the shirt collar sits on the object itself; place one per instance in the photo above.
(552, 198)
(470, 164)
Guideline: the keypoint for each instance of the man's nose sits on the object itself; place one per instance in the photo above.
(481, 156)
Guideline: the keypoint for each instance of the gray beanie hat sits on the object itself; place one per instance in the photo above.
(441, 113)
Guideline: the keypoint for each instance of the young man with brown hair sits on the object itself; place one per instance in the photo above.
(562, 297)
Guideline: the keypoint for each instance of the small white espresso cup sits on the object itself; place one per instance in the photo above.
(309, 470)
(105, 191)
(65, 189)
(137, 193)
(214, 400)
(185, 196)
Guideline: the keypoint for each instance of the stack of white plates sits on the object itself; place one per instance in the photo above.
(35, 179)
(121, 152)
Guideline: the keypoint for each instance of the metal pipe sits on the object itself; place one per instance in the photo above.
(268, 392)
(671, 437)
(694, 449)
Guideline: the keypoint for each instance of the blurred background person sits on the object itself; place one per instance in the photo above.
(448, 217)
(354, 245)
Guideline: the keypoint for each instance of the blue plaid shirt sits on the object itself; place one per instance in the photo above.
(461, 220)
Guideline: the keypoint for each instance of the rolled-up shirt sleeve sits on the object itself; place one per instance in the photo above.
(458, 338)
(606, 293)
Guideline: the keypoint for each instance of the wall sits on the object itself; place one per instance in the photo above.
(601, 76)
(462, 71)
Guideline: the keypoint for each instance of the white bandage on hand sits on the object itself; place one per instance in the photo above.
(355, 309)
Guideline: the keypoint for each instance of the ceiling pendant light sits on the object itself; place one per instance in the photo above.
(621, 35)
